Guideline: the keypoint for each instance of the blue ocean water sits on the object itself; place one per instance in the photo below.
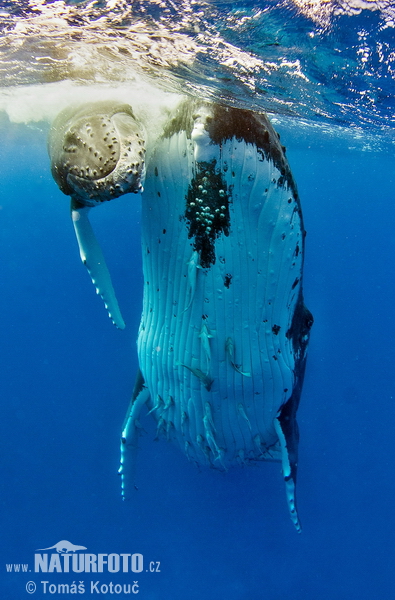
(67, 376)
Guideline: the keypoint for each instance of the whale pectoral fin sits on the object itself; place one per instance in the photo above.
(288, 434)
(130, 436)
(93, 259)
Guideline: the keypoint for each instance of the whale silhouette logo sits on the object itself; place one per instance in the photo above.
(64, 547)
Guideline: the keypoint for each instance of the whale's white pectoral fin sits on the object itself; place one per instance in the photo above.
(92, 257)
(130, 436)
(289, 471)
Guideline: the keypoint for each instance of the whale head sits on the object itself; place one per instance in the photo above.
(97, 152)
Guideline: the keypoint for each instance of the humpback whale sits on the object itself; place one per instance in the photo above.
(224, 330)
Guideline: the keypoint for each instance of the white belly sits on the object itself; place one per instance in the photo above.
(247, 297)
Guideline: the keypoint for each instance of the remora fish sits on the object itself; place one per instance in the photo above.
(230, 350)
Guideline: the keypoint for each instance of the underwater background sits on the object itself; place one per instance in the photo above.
(325, 72)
